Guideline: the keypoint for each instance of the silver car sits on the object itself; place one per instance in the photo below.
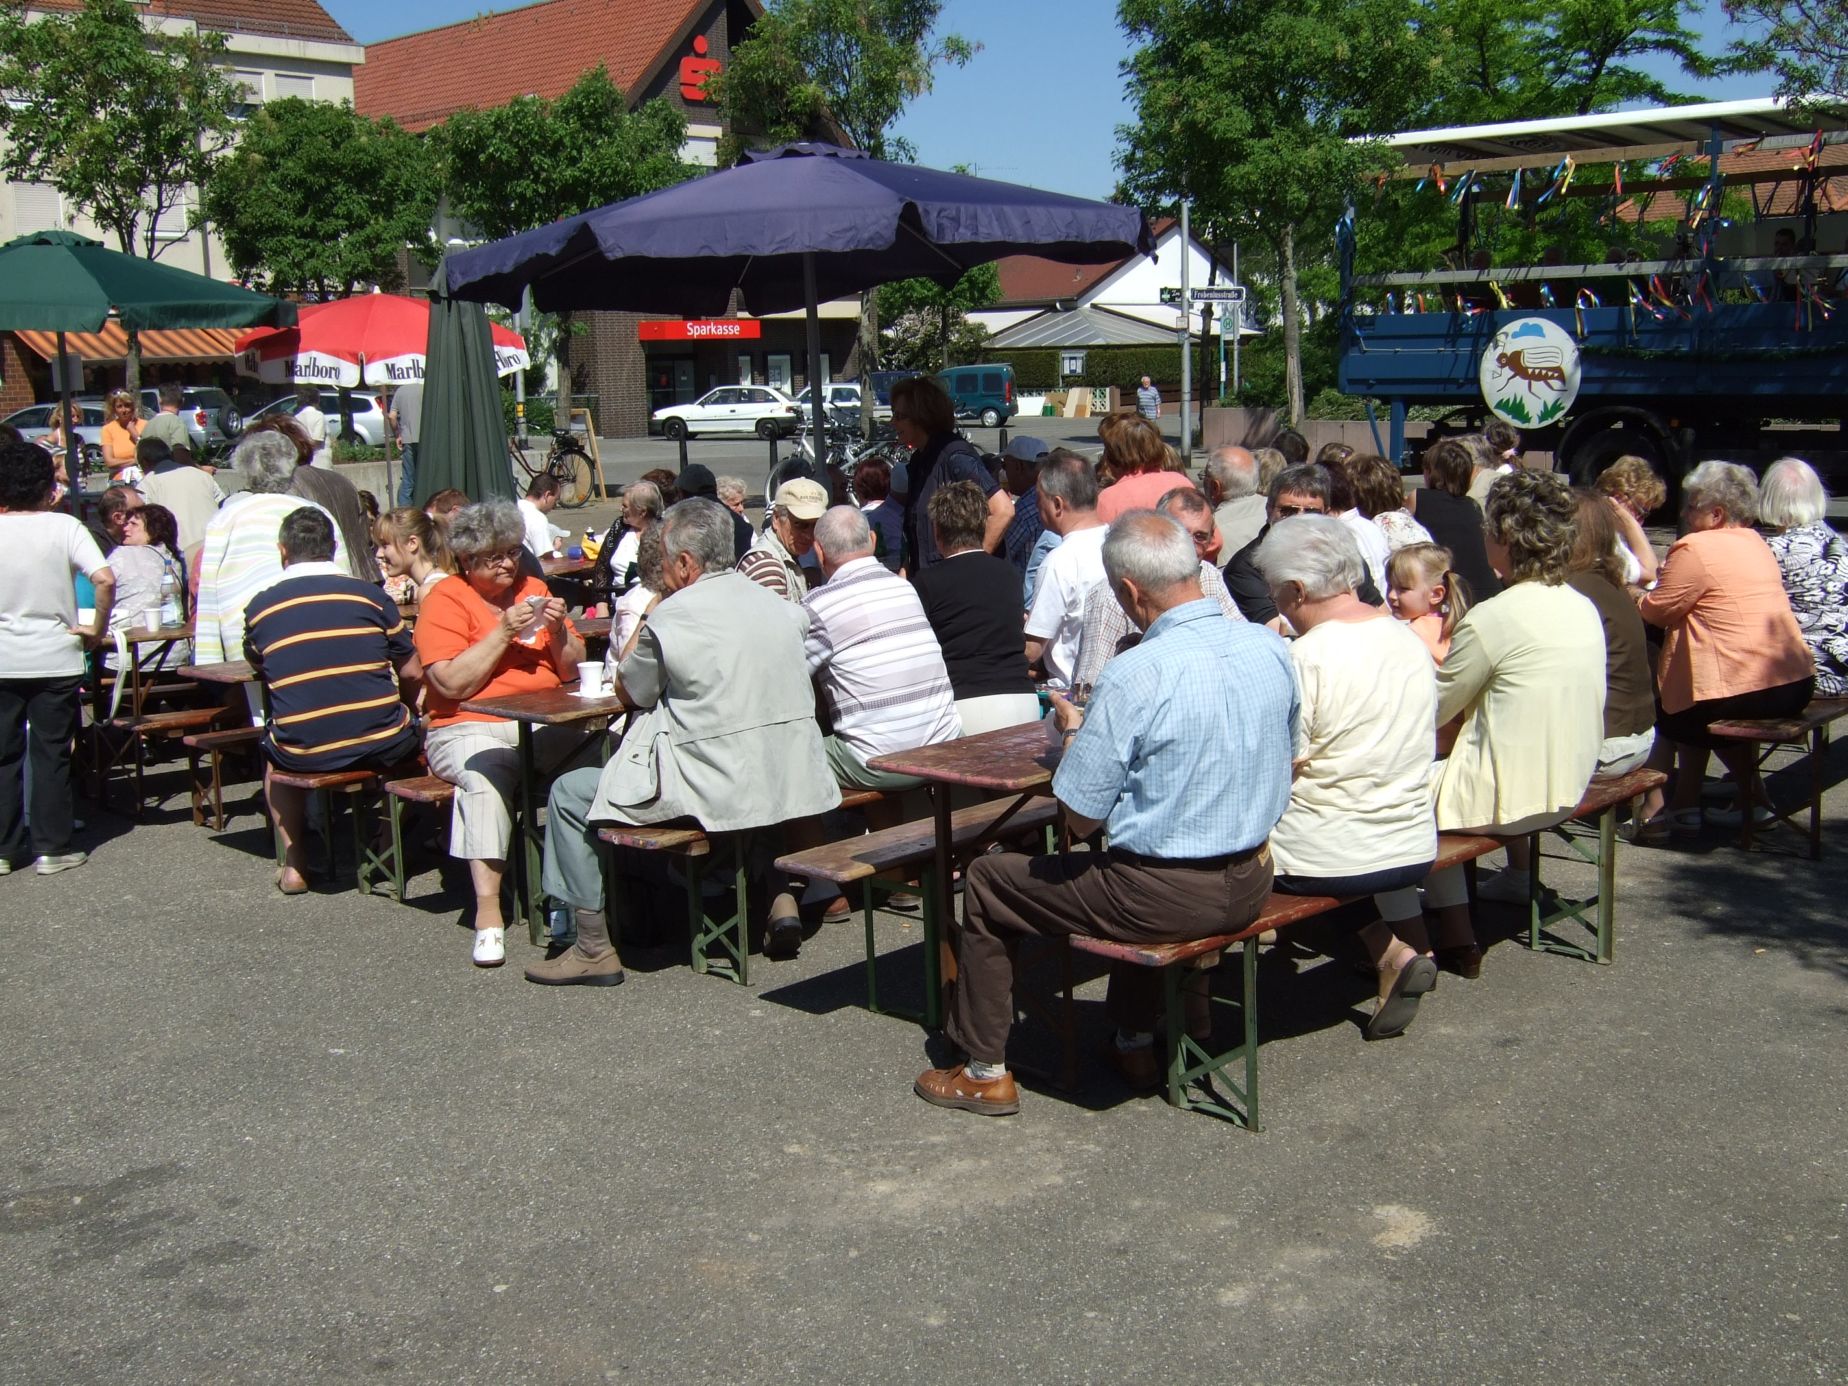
(368, 413)
(34, 423)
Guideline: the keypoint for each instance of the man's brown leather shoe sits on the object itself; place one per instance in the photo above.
(953, 1087)
(574, 968)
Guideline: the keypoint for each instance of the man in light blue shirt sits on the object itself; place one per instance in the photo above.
(1183, 755)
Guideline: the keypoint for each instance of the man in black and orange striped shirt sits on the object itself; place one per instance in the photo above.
(338, 665)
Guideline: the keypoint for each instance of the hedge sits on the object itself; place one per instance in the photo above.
(1037, 368)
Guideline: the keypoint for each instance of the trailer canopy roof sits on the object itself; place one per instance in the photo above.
(1652, 133)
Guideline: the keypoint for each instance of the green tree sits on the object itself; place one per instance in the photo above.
(928, 324)
(317, 199)
(1805, 42)
(532, 161)
(120, 119)
(1258, 113)
(850, 66)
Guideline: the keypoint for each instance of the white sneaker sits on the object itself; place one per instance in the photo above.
(51, 866)
(1505, 887)
(490, 947)
(6, 867)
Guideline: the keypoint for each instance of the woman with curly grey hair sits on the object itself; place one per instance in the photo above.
(238, 557)
(1731, 646)
(486, 633)
(1524, 682)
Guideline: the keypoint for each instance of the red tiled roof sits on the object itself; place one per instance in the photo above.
(540, 50)
(1776, 199)
(302, 19)
(1027, 279)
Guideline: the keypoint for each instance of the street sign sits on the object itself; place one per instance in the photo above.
(1212, 293)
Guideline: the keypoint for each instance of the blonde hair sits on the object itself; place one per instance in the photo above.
(1429, 565)
(431, 534)
(1633, 481)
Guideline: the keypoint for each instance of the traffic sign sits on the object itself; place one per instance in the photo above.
(1211, 293)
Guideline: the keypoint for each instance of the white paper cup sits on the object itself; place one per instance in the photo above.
(150, 620)
(590, 678)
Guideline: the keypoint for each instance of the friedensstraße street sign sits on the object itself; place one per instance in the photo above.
(1210, 293)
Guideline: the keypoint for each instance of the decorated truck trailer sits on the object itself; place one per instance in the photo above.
(1722, 333)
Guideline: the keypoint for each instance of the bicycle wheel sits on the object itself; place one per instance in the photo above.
(571, 466)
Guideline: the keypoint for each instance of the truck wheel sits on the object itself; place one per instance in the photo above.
(1594, 456)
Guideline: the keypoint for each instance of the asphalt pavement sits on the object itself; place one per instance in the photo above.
(254, 1139)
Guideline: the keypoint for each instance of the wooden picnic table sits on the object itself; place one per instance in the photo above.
(1017, 760)
(148, 651)
(231, 671)
(555, 567)
(594, 628)
(548, 707)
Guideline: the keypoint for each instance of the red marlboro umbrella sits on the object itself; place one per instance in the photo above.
(375, 338)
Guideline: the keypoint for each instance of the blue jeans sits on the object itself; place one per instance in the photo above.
(407, 476)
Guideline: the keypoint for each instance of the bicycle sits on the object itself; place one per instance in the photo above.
(567, 462)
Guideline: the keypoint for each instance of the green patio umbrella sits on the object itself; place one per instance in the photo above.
(463, 438)
(56, 281)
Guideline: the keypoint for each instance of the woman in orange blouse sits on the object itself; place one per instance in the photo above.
(1731, 647)
(120, 436)
(486, 633)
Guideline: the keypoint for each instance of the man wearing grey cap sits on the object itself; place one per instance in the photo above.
(1020, 464)
(773, 560)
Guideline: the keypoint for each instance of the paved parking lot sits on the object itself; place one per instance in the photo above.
(255, 1139)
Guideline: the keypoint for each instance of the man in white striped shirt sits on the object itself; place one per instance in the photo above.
(873, 653)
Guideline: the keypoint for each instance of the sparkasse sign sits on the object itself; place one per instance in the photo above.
(700, 330)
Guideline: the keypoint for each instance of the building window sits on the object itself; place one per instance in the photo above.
(781, 369)
(172, 225)
(36, 207)
(744, 369)
(287, 84)
(252, 83)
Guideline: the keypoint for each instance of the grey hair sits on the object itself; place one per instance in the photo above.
(1305, 479)
(1317, 551)
(646, 497)
(1791, 495)
(1234, 472)
(730, 488)
(1726, 484)
(489, 526)
(267, 461)
(1149, 549)
(1071, 478)
(702, 528)
(843, 530)
(1185, 499)
(1270, 462)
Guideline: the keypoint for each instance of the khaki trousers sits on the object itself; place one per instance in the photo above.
(1110, 895)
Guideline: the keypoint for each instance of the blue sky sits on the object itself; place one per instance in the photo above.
(1039, 104)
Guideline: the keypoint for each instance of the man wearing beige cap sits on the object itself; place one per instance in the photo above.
(774, 559)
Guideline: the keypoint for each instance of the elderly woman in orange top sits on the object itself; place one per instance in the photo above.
(485, 633)
(1731, 646)
(1139, 459)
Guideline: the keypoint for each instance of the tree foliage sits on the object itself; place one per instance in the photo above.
(852, 64)
(121, 119)
(1805, 42)
(317, 199)
(927, 327)
(532, 161)
(1257, 114)
(1528, 59)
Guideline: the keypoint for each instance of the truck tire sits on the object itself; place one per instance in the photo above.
(1590, 459)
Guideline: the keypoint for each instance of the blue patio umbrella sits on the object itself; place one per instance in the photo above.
(790, 228)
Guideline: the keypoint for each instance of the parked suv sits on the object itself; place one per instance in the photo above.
(209, 413)
(984, 393)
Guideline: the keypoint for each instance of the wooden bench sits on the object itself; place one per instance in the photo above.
(323, 786)
(1193, 1064)
(135, 733)
(211, 746)
(400, 794)
(1603, 797)
(1808, 734)
(882, 862)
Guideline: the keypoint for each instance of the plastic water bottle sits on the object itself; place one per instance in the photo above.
(169, 600)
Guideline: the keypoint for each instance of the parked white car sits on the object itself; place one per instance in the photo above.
(368, 414)
(34, 422)
(844, 396)
(759, 409)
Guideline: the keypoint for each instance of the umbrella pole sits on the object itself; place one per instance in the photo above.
(814, 362)
(73, 445)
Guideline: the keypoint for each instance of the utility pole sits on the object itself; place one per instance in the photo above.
(1238, 321)
(1186, 346)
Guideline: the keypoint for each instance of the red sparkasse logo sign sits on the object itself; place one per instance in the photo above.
(700, 330)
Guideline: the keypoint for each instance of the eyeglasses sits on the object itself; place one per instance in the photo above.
(506, 557)
(1285, 511)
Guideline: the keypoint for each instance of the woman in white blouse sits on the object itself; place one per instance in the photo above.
(1359, 820)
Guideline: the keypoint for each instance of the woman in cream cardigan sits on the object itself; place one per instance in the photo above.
(1731, 646)
(1525, 676)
